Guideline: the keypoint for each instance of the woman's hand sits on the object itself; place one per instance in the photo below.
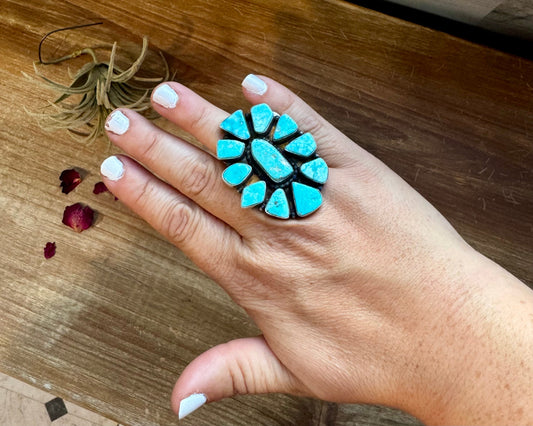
(373, 299)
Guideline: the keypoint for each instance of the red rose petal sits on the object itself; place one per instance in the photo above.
(70, 179)
(49, 250)
(78, 217)
(99, 187)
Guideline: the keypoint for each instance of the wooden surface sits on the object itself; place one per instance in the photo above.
(115, 316)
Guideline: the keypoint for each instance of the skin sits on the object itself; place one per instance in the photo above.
(374, 298)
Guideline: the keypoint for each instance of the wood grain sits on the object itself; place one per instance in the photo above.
(115, 316)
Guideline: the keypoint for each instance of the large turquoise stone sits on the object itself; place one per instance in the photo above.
(303, 146)
(271, 160)
(236, 125)
(236, 173)
(262, 117)
(229, 149)
(306, 199)
(286, 126)
(316, 170)
(254, 194)
(278, 205)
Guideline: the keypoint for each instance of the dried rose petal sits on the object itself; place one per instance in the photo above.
(70, 179)
(49, 250)
(78, 217)
(99, 187)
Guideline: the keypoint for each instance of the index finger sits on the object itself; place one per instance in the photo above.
(190, 112)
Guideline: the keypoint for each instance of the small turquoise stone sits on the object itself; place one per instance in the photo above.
(271, 160)
(278, 205)
(236, 173)
(303, 146)
(262, 117)
(286, 126)
(306, 199)
(229, 149)
(316, 170)
(236, 125)
(253, 194)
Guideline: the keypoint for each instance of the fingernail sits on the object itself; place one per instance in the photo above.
(117, 123)
(112, 168)
(254, 84)
(165, 96)
(191, 403)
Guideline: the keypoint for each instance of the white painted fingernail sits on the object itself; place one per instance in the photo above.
(117, 123)
(165, 96)
(112, 168)
(191, 403)
(254, 84)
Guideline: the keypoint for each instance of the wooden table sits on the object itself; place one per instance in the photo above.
(114, 317)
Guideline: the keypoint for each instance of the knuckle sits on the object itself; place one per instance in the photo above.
(287, 102)
(242, 377)
(321, 130)
(198, 176)
(311, 123)
(144, 194)
(151, 146)
(308, 120)
(178, 222)
(199, 120)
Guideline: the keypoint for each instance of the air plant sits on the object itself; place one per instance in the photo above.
(101, 88)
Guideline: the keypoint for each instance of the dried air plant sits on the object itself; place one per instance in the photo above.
(101, 87)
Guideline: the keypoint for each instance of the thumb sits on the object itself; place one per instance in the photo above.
(242, 366)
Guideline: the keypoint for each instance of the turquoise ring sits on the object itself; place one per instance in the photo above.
(271, 163)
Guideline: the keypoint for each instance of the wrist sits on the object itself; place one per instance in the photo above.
(477, 357)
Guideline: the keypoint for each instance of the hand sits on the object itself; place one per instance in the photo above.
(372, 299)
